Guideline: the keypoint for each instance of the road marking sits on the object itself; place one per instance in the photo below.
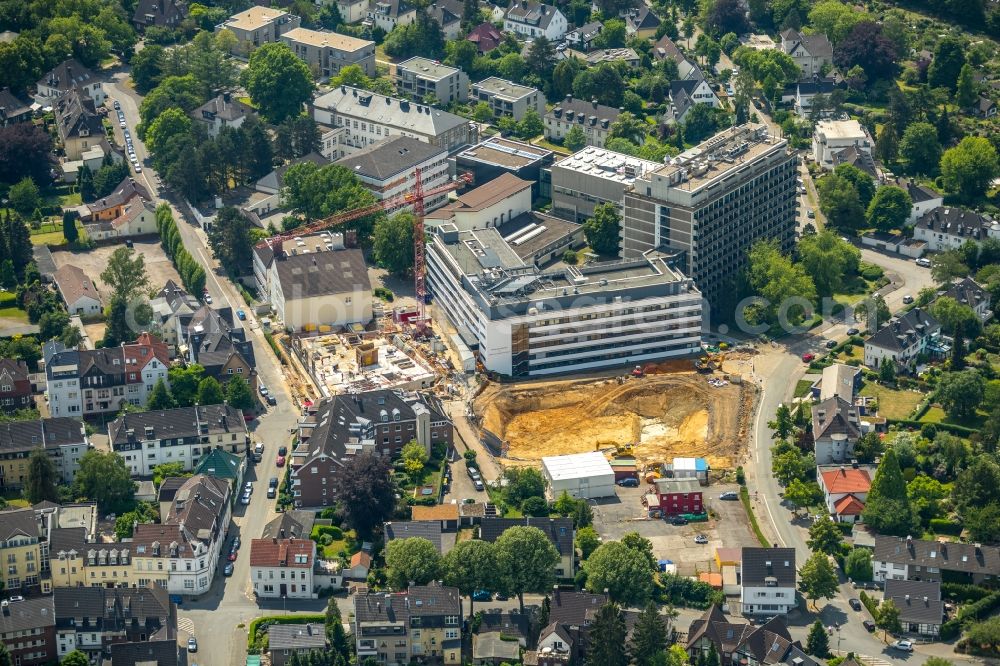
(186, 625)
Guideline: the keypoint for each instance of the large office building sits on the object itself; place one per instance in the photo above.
(389, 169)
(712, 202)
(527, 322)
(593, 176)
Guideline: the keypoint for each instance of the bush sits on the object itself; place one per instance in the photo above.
(535, 506)
(870, 272)
(570, 257)
(383, 293)
(868, 602)
(962, 593)
(741, 477)
(325, 539)
(945, 526)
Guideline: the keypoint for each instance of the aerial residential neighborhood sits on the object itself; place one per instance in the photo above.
(386, 332)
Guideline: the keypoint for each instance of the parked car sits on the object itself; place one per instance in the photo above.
(852, 331)
(280, 462)
(811, 214)
(272, 493)
(924, 261)
(208, 298)
(630, 482)
(262, 389)
(729, 495)
(678, 520)
(473, 473)
(228, 569)
(192, 644)
(245, 500)
(868, 625)
(903, 646)
(282, 451)
(808, 357)
(258, 451)
(241, 315)
(271, 400)
(118, 104)
(478, 485)
(248, 488)
(16, 597)
(830, 344)
(233, 554)
(907, 299)
(701, 539)
(855, 604)
(482, 595)
(500, 596)
(237, 543)
(138, 167)
(273, 482)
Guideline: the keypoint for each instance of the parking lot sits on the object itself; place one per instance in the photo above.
(614, 517)
(93, 262)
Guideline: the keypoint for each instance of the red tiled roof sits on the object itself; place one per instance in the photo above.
(144, 349)
(362, 558)
(281, 553)
(848, 505)
(847, 480)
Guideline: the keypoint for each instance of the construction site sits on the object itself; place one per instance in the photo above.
(666, 410)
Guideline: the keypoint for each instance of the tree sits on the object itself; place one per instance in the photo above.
(125, 275)
(522, 483)
(818, 642)
(702, 122)
(414, 560)
(414, 458)
(147, 67)
(887, 618)
(168, 470)
(541, 57)
(965, 92)
(624, 572)
(776, 279)
(828, 260)
(960, 393)
(340, 644)
(575, 139)
(70, 232)
(817, 578)
(74, 658)
(481, 112)
(607, 637)
(866, 47)
(104, 478)
(159, 397)
(889, 209)
(603, 229)
(627, 126)
(471, 566)
(727, 16)
(840, 203)
(210, 392)
(977, 485)
(887, 143)
(858, 564)
(279, 83)
(862, 181)
(954, 316)
(968, 168)
(40, 484)
(238, 393)
(649, 636)
(949, 58)
(888, 508)
(367, 492)
(525, 561)
(803, 493)
(184, 382)
(25, 151)
(318, 192)
(835, 19)
(24, 196)
(231, 242)
(825, 537)
(920, 148)
(603, 83)
(563, 76)
(531, 125)
(170, 124)
(587, 540)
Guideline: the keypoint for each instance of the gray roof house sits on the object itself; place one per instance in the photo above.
(902, 339)
(285, 639)
(921, 610)
(836, 428)
(911, 559)
(559, 531)
(430, 530)
(768, 581)
(968, 292)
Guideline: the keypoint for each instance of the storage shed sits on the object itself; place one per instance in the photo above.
(582, 475)
(691, 468)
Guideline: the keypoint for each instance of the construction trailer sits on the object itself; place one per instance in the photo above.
(582, 475)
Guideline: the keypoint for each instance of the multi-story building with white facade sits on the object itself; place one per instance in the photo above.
(531, 19)
(812, 53)
(526, 322)
(830, 137)
(594, 176)
(368, 118)
(950, 227)
(423, 623)
(91, 619)
(188, 541)
(182, 435)
(389, 169)
(327, 53)
(768, 581)
(387, 14)
(147, 361)
(85, 382)
(491, 205)
(222, 111)
(67, 76)
(422, 78)
(594, 119)
(836, 428)
(63, 438)
(507, 98)
(282, 568)
(258, 25)
(352, 11)
(902, 339)
(968, 292)
(897, 558)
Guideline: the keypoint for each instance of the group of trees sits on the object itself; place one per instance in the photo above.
(649, 643)
(125, 276)
(94, 185)
(189, 386)
(192, 273)
(231, 239)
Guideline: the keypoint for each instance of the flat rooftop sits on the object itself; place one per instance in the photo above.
(333, 362)
(253, 18)
(607, 164)
(530, 232)
(322, 39)
(841, 129)
(425, 68)
(505, 152)
(504, 88)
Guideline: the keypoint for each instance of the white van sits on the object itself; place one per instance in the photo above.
(258, 451)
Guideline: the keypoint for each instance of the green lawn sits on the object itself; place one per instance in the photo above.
(542, 143)
(9, 309)
(937, 415)
(50, 238)
(851, 353)
(802, 388)
(893, 404)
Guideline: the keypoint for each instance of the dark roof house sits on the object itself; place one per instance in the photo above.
(159, 13)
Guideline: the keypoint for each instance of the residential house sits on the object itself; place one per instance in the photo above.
(221, 111)
(948, 228)
(91, 619)
(181, 435)
(78, 291)
(559, 531)
(211, 339)
(685, 93)
(845, 491)
(78, 558)
(147, 360)
(923, 197)
(836, 428)
(258, 25)
(387, 14)
(491, 205)
(807, 89)
(485, 36)
(166, 14)
(666, 48)
(12, 109)
(21, 550)
(138, 217)
(921, 610)
(389, 169)
(221, 464)
(275, 180)
(677, 496)
(964, 290)
(284, 640)
(768, 581)
(113, 206)
(594, 119)
(327, 53)
(902, 339)
(63, 438)
(839, 379)
(506, 98)
(291, 524)
(448, 14)
(27, 629)
(445, 515)
(812, 53)
(85, 382)
(568, 631)
(582, 37)
(283, 568)
(500, 638)
(530, 19)
(67, 76)
(423, 623)
(189, 539)
(626, 54)
(426, 80)
(360, 565)
(379, 422)
(429, 530)
(352, 11)
(985, 107)
(77, 122)
(896, 558)
(170, 305)
(830, 137)
(366, 117)
(15, 386)
(161, 653)
(742, 643)
(641, 22)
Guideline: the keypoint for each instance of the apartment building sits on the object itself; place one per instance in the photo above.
(20, 550)
(92, 619)
(188, 542)
(211, 338)
(491, 205)
(768, 581)
(182, 435)
(67, 76)
(387, 14)
(593, 176)
(712, 202)
(15, 386)
(496, 156)
(327, 53)
(836, 428)
(424, 623)
(282, 568)
(86, 382)
(284, 640)
(379, 422)
(559, 531)
(832, 137)
(222, 111)
(686, 93)
(949, 227)
(810, 52)
(902, 339)
(389, 169)
(258, 25)
(508, 99)
(426, 80)
(594, 119)
(526, 322)
(78, 124)
(63, 438)
(171, 305)
(530, 19)
(27, 629)
(367, 118)
(896, 558)
(147, 361)
(78, 559)
(744, 643)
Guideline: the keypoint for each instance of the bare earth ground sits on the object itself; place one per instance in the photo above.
(672, 411)
(93, 262)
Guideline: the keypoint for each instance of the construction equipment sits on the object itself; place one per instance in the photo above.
(415, 198)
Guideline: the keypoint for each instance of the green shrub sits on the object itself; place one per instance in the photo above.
(325, 539)
(945, 526)
(383, 293)
(962, 593)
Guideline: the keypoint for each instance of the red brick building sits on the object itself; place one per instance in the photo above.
(677, 496)
(15, 386)
(28, 629)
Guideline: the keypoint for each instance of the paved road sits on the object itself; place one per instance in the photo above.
(215, 616)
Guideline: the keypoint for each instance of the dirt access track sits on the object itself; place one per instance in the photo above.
(663, 414)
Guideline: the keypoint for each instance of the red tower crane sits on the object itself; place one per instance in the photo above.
(415, 198)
